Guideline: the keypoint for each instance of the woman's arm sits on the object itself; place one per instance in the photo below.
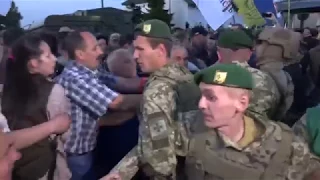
(26, 137)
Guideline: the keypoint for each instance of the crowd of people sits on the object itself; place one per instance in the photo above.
(185, 104)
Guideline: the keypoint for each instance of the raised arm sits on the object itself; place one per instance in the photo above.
(26, 137)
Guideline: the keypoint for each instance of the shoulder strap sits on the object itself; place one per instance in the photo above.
(277, 164)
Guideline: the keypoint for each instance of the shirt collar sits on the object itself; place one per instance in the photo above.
(251, 132)
(79, 67)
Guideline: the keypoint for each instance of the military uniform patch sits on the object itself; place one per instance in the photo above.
(157, 128)
(146, 28)
(158, 131)
(220, 77)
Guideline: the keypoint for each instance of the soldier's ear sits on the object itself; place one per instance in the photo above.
(242, 102)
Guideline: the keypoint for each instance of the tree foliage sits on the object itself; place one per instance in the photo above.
(3, 20)
(137, 16)
(13, 16)
(156, 11)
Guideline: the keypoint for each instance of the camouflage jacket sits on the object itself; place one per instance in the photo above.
(265, 97)
(155, 152)
(257, 160)
(156, 145)
(284, 84)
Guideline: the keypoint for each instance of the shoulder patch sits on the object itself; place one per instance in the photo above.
(157, 128)
(159, 131)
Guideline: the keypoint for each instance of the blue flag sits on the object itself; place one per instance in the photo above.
(264, 6)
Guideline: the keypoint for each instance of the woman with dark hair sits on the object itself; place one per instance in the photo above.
(30, 98)
(52, 40)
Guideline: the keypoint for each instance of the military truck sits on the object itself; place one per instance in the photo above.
(93, 24)
(101, 20)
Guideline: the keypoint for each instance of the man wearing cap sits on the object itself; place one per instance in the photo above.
(160, 142)
(157, 147)
(232, 143)
(234, 46)
(114, 41)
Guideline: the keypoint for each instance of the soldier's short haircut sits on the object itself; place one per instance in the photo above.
(155, 42)
(74, 41)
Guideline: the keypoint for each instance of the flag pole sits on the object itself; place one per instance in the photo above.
(289, 13)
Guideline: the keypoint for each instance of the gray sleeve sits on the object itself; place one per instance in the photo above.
(58, 103)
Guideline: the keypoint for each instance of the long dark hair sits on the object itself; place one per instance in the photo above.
(22, 90)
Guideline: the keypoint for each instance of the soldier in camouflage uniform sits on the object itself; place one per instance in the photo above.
(277, 47)
(231, 144)
(160, 141)
(235, 46)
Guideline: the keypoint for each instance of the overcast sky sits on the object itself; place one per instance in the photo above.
(38, 10)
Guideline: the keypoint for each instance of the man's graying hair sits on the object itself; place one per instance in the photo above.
(180, 36)
(119, 56)
(178, 47)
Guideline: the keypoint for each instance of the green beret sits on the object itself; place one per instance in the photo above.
(154, 28)
(230, 75)
(234, 39)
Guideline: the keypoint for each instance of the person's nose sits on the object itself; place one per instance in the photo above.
(135, 54)
(202, 103)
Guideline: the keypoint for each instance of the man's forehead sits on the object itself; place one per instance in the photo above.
(204, 86)
(87, 36)
(141, 41)
(212, 88)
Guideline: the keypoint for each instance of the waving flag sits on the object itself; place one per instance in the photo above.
(216, 12)
(248, 10)
(264, 6)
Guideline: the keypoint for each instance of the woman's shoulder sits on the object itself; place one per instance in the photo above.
(58, 102)
(57, 89)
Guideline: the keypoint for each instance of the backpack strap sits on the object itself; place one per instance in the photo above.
(277, 164)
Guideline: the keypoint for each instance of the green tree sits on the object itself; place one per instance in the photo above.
(3, 21)
(156, 11)
(136, 14)
(13, 16)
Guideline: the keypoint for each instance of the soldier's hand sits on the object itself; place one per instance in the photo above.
(112, 176)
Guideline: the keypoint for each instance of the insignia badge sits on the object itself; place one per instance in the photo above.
(147, 28)
(158, 128)
(220, 77)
